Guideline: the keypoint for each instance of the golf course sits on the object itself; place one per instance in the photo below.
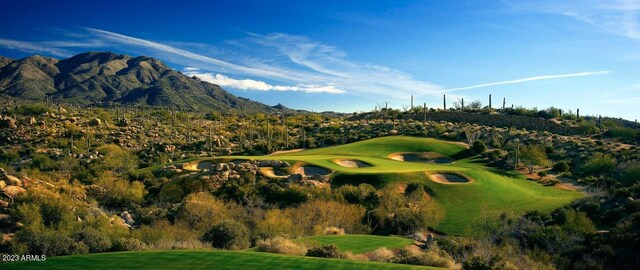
(200, 259)
(462, 185)
(358, 243)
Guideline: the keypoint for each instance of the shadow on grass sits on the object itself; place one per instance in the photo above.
(376, 180)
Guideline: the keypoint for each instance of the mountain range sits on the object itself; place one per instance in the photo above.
(108, 78)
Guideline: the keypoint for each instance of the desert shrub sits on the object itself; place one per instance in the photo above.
(333, 231)
(190, 245)
(129, 244)
(120, 192)
(201, 210)
(587, 127)
(363, 194)
(494, 262)
(43, 163)
(228, 234)
(599, 164)
(533, 155)
(171, 192)
(281, 245)
(405, 213)
(561, 166)
(117, 159)
(46, 242)
(478, 147)
(276, 222)
(94, 240)
(9, 156)
(574, 221)
(326, 251)
(32, 109)
(382, 254)
(312, 217)
(434, 256)
(163, 235)
(630, 176)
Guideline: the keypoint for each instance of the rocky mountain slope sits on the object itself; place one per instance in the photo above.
(105, 77)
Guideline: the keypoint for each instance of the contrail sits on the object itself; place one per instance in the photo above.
(537, 78)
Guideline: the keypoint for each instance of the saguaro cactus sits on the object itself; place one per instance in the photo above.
(424, 117)
(411, 108)
(489, 101)
(444, 101)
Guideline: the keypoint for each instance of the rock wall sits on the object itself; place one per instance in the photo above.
(496, 120)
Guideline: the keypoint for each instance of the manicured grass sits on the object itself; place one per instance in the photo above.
(358, 243)
(490, 194)
(201, 259)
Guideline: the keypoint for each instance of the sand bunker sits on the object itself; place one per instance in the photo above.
(450, 178)
(351, 163)
(197, 166)
(269, 172)
(309, 170)
(429, 157)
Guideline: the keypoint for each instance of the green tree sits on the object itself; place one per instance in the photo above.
(533, 155)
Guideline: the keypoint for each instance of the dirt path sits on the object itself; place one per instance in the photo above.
(285, 151)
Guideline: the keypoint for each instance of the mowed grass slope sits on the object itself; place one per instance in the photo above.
(358, 243)
(199, 259)
(490, 194)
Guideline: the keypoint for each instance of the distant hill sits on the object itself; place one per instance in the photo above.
(104, 77)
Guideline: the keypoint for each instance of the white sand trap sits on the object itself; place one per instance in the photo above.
(269, 172)
(309, 170)
(428, 157)
(351, 163)
(450, 178)
(197, 166)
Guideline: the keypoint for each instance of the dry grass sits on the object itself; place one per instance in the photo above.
(382, 254)
(333, 231)
(281, 245)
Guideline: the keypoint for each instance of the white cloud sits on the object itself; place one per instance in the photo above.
(32, 47)
(248, 84)
(332, 64)
(190, 69)
(537, 78)
(123, 39)
(619, 17)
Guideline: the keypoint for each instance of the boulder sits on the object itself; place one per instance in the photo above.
(14, 191)
(218, 167)
(225, 166)
(7, 122)
(95, 122)
(321, 178)
(294, 178)
(128, 219)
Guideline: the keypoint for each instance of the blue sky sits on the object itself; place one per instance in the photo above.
(328, 55)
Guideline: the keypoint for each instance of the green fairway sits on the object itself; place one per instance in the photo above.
(490, 193)
(358, 243)
(200, 259)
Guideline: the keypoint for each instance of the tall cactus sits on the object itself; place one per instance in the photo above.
(444, 101)
(489, 101)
